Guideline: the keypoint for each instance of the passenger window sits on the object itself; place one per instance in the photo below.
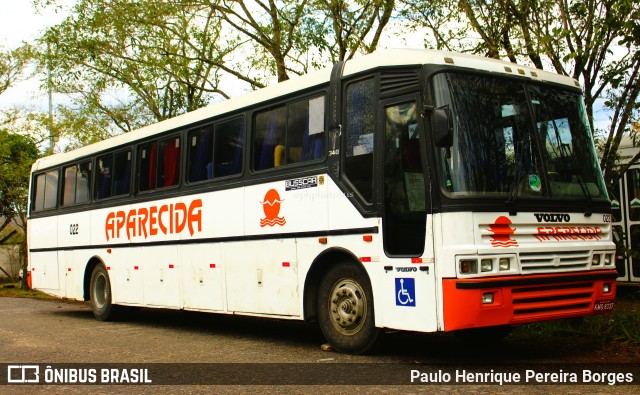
(83, 183)
(290, 134)
(46, 191)
(69, 189)
(113, 175)
(359, 134)
(159, 164)
(269, 138)
(76, 184)
(229, 145)
(169, 163)
(200, 154)
(147, 162)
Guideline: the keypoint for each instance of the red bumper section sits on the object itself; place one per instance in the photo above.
(522, 299)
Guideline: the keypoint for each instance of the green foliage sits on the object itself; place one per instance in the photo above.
(17, 154)
(12, 65)
(151, 53)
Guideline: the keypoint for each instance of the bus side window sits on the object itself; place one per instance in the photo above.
(269, 134)
(229, 144)
(69, 185)
(83, 182)
(38, 200)
(360, 126)
(200, 151)
(46, 193)
(76, 184)
(305, 130)
(169, 163)
(147, 166)
(104, 165)
(122, 173)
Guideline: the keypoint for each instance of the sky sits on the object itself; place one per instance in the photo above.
(20, 22)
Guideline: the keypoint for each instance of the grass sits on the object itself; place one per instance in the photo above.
(13, 290)
(621, 326)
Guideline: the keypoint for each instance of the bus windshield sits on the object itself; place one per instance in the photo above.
(512, 139)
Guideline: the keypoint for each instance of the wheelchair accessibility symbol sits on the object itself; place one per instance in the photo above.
(405, 292)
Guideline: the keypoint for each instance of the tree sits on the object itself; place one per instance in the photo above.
(137, 50)
(283, 30)
(17, 154)
(354, 26)
(12, 65)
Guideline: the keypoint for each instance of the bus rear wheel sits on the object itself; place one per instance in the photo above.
(100, 294)
(345, 309)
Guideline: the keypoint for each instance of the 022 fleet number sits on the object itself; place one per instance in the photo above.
(73, 229)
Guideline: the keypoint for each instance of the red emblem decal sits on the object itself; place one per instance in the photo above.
(271, 208)
(502, 233)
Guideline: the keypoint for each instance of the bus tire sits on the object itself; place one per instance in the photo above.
(345, 309)
(100, 294)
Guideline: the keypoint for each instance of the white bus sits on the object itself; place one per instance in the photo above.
(625, 205)
(407, 189)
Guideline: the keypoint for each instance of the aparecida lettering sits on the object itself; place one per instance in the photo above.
(149, 221)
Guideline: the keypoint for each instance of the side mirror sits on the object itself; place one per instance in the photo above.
(442, 127)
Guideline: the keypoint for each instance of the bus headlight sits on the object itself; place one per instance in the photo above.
(486, 265)
(608, 259)
(504, 264)
(595, 260)
(468, 266)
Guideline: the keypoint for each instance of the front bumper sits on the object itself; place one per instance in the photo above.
(523, 299)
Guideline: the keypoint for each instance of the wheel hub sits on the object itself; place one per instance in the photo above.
(348, 306)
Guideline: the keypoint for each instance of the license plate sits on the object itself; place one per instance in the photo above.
(603, 305)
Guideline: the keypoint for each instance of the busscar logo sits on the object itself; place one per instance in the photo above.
(301, 183)
(271, 208)
(502, 232)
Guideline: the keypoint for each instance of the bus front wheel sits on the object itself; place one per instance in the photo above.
(345, 309)
(100, 294)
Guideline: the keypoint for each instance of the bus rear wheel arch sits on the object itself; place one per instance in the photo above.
(345, 308)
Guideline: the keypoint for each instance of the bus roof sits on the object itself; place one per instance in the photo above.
(378, 59)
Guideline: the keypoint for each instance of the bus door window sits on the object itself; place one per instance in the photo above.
(404, 188)
(359, 134)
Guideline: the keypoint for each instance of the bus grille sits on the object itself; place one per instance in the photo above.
(546, 262)
(532, 302)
